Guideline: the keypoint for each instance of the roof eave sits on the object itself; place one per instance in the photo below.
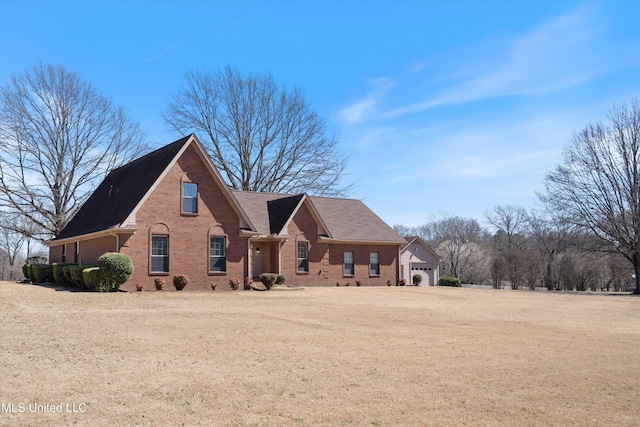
(89, 236)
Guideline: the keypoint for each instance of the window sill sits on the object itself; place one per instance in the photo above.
(302, 273)
(348, 275)
(189, 213)
(217, 273)
(158, 273)
(374, 275)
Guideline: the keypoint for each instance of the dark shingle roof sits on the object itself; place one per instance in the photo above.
(280, 210)
(119, 193)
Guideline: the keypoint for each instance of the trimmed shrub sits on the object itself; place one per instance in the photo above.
(68, 281)
(116, 268)
(268, 279)
(358, 282)
(280, 279)
(234, 284)
(401, 282)
(42, 273)
(58, 274)
(180, 281)
(449, 281)
(248, 283)
(75, 271)
(214, 285)
(25, 271)
(416, 279)
(94, 280)
(139, 287)
(159, 282)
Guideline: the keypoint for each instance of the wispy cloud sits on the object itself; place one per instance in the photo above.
(555, 55)
(165, 52)
(358, 111)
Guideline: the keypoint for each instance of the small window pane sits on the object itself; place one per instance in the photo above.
(374, 263)
(348, 264)
(160, 253)
(303, 257)
(189, 197)
(217, 253)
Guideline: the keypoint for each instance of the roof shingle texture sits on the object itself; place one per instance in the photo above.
(345, 219)
(119, 193)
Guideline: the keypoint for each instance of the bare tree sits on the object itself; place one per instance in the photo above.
(510, 225)
(498, 270)
(458, 241)
(404, 231)
(260, 135)
(58, 137)
(11, 241)
(597, 186)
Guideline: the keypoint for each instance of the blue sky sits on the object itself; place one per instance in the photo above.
(441, 106)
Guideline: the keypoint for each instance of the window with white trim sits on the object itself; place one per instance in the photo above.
(303, 257)
(189, 197)
(374, 263)
(217, 253)
(348, 264)
(159, 253)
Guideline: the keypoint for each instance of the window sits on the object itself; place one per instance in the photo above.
(303, 257)
(217, 253)
(76, 254)
(189, 197)
(64, 253)
(348, 263)
(159, 253)
(374, 264)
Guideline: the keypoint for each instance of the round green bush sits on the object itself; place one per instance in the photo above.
(75, 271)
(449, 281)
(58, 273)
(280, 279)
(42, 273)
(116, 268)
(94, 280)
(26, 271)
(417, 279)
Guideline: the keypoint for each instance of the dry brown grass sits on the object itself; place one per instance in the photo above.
(329, 357)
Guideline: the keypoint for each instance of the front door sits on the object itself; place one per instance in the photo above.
(261, 258)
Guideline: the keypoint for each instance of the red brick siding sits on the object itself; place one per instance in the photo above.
(326, 260)
(188, 234)
(55, 254)
(90, 250)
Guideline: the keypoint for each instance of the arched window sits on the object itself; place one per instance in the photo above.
(159, 249)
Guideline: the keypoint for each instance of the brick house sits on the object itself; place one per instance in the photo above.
(172, 213)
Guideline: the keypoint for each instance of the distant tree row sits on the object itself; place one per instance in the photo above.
(586, 237)
(534, 251)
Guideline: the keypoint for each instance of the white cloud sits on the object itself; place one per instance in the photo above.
(363, 108)
(555, 55)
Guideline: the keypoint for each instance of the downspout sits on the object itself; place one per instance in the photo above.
(279, 256)
(249, 271)
(117, 236)
(398, 266)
